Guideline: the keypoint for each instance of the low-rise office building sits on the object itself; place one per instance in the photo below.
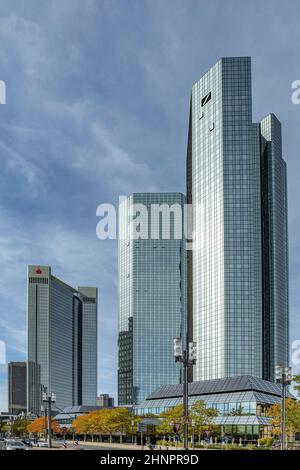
(242, 403)
(17, 388)
(105, 401)
(68, 414)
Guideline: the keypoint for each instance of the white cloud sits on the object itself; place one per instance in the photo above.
(18, 163)
(25, 39)
(106, 157)
(102, 154)
(15, 337)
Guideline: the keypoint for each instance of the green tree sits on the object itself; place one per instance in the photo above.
(19, 427)
(169, 418)
(292, 415)
(3, 427)
(203, 417)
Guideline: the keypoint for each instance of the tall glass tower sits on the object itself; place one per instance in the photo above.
(89, 299)
(238, 269)
(152, 297)
(61, 341)
(274, 248)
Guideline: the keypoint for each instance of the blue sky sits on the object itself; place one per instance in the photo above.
(97, 107)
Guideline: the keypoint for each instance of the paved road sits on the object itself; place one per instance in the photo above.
(71, 447)
(91, 447)
(58, 445)
(102, 446)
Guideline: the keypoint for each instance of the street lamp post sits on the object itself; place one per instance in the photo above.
(44, 413)
(187, 357)
(24, 417)
(132, 431)
(193, 433)
(11, 426)
(49, 400)
(283, 376)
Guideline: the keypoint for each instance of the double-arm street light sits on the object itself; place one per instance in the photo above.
(49, 400)
(44, 413)
(132, 431)
(187, 357)
(283, 376)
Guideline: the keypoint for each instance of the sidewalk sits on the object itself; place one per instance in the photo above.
(107, 444)
(114, 446)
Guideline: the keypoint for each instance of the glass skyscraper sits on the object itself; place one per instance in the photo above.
(238, 269)
(274, 248)
(61, 341)
(89, 297)
(152, 294)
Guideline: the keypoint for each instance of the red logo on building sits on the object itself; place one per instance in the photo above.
(38, 271)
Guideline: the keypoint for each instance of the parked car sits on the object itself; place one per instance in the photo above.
(28, 442)
(11, 444)
(276, 444)
(42, 444)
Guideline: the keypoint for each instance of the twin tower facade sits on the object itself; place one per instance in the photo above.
(61, 341)
(228, 289)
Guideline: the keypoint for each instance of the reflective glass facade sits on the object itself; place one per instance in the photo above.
(89, 345)
(242, 403)
(231, 280)
(275, 247)
(60, 359)
(55, 341)
(225, 403)
(152, 302)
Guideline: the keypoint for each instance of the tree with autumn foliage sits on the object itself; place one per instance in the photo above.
(38, 426)
(104, 422)
(199, 413)
(82, 425)
(292, 417)
(120, 421)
